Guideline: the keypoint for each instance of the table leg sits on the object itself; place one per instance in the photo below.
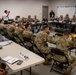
(30, 70)
(21, 72)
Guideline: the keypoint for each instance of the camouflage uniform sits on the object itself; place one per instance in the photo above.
(29, 35)
(63, 45)
(35, 20)
(11, 30)
(29, 20)
(3, 29)
(67, 18)
(41, 40)
(18, 32)
(1, 25)
(74, 19)
(23, 20)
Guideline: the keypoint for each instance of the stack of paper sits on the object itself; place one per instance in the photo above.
(10, 59)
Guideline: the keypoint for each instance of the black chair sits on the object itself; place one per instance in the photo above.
(72, 48)
(27, 39)
(59, 25)
(60, 28)
(4, 32)
(18, 37)
(10, 21)
(32, 47)
(57, 63)
(22, 43)
(39, 52)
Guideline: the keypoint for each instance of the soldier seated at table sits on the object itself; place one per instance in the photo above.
(61, 18)
(23, 20)
(29, 19)
(11, 28)
(74, 19)
(18, 32)
(3, 28)
(41, 40)
(45, 20)
(35, 19)
(66, 18)
(28, 36)
(63, 44)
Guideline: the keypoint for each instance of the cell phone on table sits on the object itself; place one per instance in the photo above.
(19, 62)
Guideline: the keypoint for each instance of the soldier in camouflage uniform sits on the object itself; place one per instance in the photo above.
(18, 31)
(28, 36)
(63, 44)
(74, 18)
(41, 40)
(20, 25)
(3, 28)
(29, 19)
(11, 29)
(66, 18)
(23, 20)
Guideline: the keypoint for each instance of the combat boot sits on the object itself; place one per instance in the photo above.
(47, 62)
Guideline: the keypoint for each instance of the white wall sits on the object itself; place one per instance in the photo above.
(55, 3)
(31, 7)
(23, 7)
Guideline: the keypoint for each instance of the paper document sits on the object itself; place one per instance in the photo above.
(5, 43)
(10, 59)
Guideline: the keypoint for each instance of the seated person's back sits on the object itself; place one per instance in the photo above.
(28, 35)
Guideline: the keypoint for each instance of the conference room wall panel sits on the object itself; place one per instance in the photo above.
(23, 7)
(55, 3)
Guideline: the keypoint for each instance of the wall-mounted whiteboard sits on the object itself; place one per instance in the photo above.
(63, 10)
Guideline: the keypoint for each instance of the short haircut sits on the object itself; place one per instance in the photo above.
(5, 11)
(26, 25)
(46, 26)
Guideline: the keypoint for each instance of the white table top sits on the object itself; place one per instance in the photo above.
(13, 50)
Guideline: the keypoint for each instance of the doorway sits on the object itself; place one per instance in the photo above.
(45, 11)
